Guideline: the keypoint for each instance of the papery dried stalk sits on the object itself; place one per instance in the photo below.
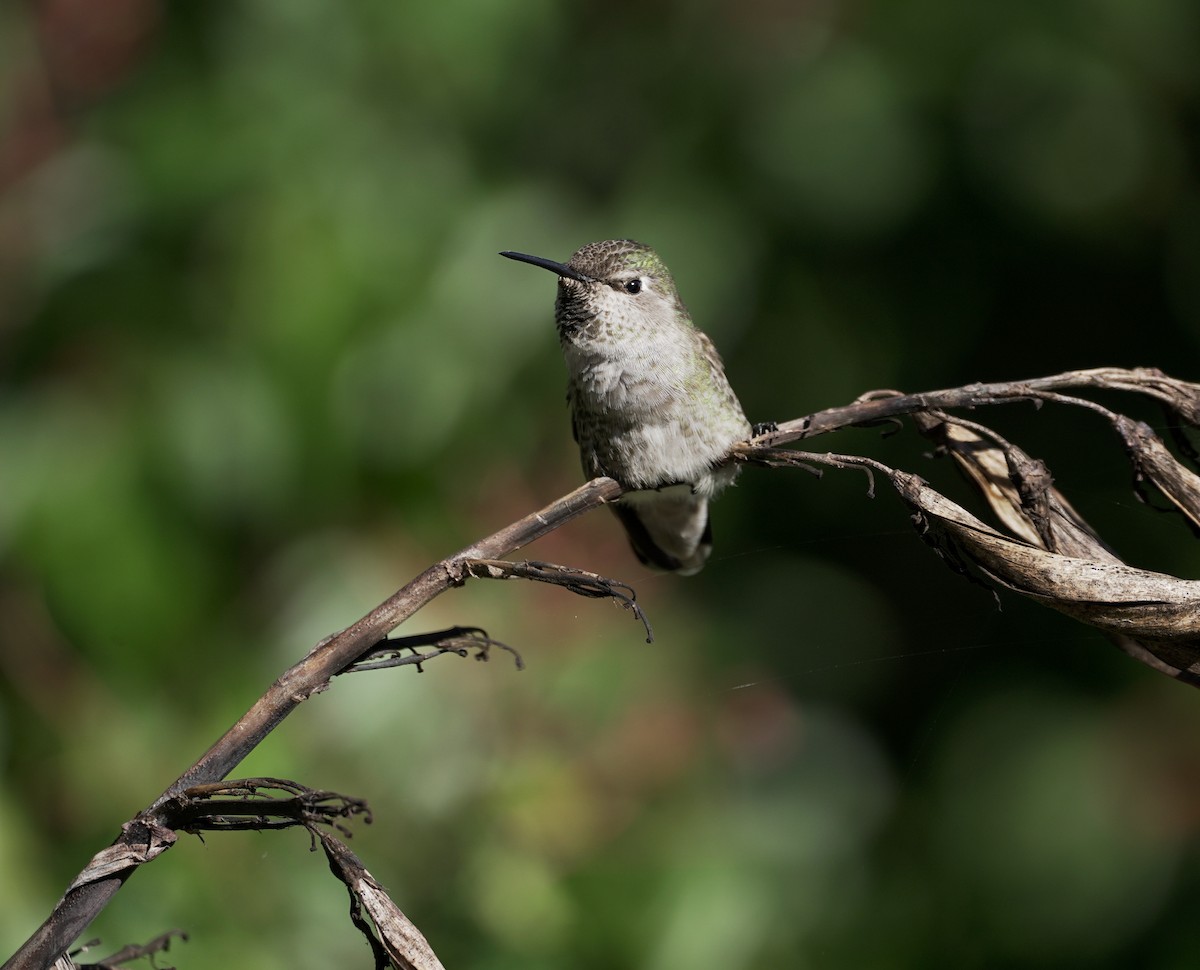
(1052, 556)
(399, 943)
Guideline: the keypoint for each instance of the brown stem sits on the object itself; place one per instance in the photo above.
(91, 891)
(146, 836)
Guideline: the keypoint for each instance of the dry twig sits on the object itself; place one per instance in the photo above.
(458, 640)
(125, 955)
(398, 943)
(1051, 555)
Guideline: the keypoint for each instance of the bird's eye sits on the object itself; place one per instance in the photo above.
(633, 286)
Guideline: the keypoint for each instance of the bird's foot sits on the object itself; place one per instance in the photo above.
(763, 427)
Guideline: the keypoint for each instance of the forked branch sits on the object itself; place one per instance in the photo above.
(1049, 553)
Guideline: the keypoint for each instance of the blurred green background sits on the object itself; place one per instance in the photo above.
(260, 364)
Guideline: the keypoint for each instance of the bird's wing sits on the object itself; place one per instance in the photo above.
(716, 368)
(574, 411)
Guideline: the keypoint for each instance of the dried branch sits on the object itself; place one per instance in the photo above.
(127, 954)
(1153, 463)
(458, 640)
(242, 805)
(1179, 397)
(578, 581)
(1018, 488)
(248, 804)
(145, 836)
(1021, 493)
(398, 943)
(1052, 556)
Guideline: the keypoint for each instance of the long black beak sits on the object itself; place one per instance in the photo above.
(562, 269)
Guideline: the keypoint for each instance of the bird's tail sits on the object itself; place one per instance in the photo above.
(668, 530)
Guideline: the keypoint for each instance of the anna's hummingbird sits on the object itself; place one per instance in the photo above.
(650, 404)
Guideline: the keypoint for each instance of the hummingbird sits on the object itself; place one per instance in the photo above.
(650, 404)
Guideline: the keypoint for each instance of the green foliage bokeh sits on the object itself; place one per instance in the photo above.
(260, 364)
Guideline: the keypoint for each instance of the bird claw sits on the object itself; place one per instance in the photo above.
(763, 427)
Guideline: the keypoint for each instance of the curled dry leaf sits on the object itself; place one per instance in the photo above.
(1054, 558)
(399, 941)
(1180, 397)
(1022, 495)
(1154, 463)
(1160, 611)
(1019, 489)
(138, 843)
